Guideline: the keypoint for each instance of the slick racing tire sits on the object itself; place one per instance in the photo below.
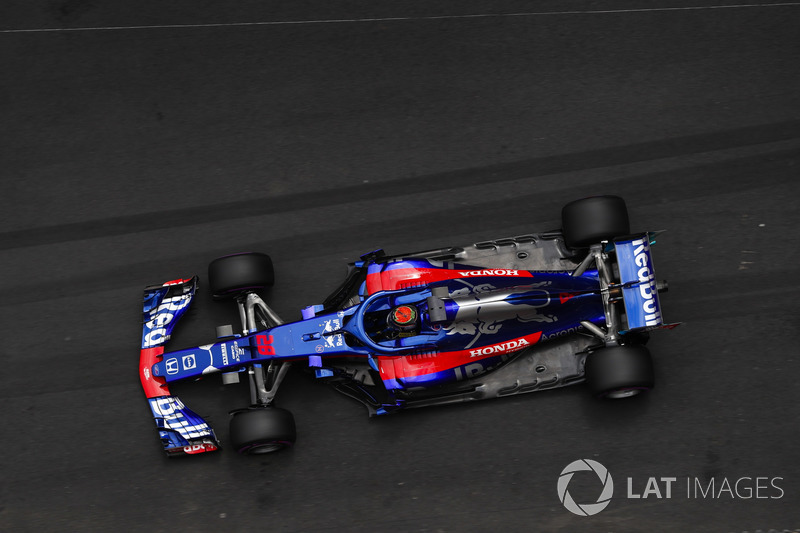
(260, 430)
(233, 274)
(592, 220)
(619, 371)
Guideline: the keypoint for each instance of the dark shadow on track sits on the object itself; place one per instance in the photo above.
(592, 159)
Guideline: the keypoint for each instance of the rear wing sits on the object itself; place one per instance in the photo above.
(181, 430)
(639, 285)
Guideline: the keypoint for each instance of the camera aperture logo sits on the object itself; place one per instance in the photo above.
(585, 509)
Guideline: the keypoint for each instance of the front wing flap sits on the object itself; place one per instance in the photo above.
(181, 430)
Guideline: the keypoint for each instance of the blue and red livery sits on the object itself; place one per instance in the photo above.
(449, 325)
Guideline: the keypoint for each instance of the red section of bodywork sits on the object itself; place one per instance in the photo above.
(399, 367)
(153, 386)
(404, 278)
(566, 296)
(264, 345)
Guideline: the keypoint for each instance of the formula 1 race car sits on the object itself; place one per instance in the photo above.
(493, 319)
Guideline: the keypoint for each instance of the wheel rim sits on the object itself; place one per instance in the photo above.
(623, 393)
(265, 448)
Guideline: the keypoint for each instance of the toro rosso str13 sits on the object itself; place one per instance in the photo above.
(492, 319)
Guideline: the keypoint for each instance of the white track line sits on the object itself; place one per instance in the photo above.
(398, 19)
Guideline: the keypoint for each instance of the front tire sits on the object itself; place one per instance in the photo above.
(619, 371)
(592, 220)
(260, 430)
(234, 274)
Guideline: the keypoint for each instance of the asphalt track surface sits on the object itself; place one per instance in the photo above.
(140, 141)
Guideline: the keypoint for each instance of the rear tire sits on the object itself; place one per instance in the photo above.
(595, 219)
(620, 371)
(260, 430)
(238, 273)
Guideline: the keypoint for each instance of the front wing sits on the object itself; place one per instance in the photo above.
(181, 430)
